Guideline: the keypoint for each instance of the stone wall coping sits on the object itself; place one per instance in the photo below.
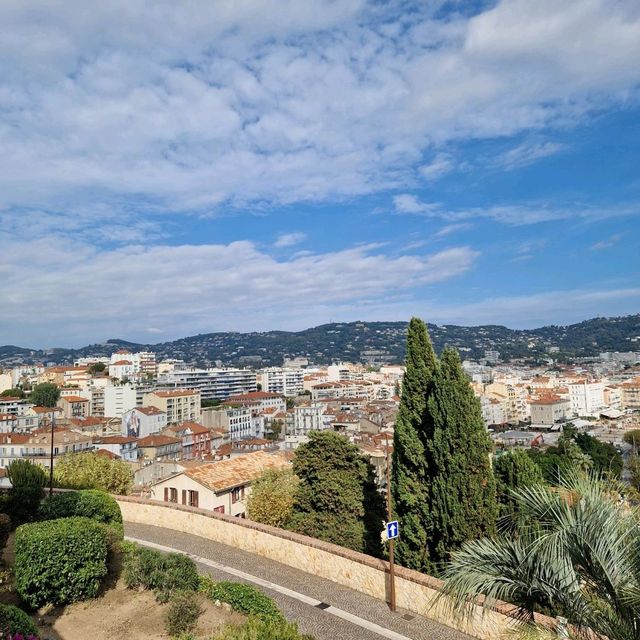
(422, 579)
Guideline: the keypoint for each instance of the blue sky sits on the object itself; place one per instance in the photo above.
(179, 168)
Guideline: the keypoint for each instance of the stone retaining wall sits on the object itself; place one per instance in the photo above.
(414, 591)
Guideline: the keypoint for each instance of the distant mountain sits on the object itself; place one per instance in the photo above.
(368, 342)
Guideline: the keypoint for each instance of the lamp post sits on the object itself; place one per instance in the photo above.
(53, 429)
(392, 571)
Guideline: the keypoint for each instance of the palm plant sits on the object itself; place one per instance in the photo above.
(578, 556)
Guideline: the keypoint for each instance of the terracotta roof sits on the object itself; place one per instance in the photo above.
(46, 409)
(149, 411)
(9, 399)
(194, 427)
(234, 472)
(121, 362)
(157, 441)
(8, 416)
(74, 398)
(14, 438)
(114, 440)
(253, 395)
(107, 454)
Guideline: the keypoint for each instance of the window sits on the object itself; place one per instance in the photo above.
(237, 494)
(173, 495)
(193, 498)
(219, 509)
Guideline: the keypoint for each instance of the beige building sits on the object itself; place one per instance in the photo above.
(631, 394)
(180, 405)
(549, 410)
(74, 406)
(219, 486)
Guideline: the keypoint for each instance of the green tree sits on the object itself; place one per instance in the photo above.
(97, 367)
(336, 499)
(604, 455)
(513, 470)
(576, 556)
(271, 498)
(632, 437)
(462, 489)
(409, 489)
(45, 394)
(15, 392)
(91, 470)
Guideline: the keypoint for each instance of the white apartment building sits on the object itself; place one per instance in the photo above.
(143, 421)
(305, 418)
(122, 369)
(287, 382)
(333, 390)
(140, 364)
(239, 422)
(587, 398)
(213, 384)
(180, 405)
(259, 401)
(119, 398)
(492, 411)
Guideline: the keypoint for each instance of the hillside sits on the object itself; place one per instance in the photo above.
(373, 342)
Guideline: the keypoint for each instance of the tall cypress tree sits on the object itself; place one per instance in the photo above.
(462, 488)
(409, 487)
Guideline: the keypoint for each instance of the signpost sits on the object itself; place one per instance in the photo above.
(392, 531)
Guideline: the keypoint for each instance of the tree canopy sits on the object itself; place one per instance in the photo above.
(92, 470)
(14, 392)
(271, 498)
(336, 499)
(45, 394)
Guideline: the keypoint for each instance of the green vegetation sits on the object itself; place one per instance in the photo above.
(210, 403)
(97, 505)
(16, 392)
(462, 490)
(164, 574)
(243, 598)
(182, 613)
(577, 556)
(14, 621)
(257, 629)
(45, 394)
(5, 529)
(336, 499)
(97, 367)
(514, 470)
(409, 468)
(271, 498)
(60, 561)
(606, 458)
(90, 470)
(632, 437)
(26, 492)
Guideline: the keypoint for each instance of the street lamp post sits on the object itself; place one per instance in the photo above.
(392, 573)
(53, 429)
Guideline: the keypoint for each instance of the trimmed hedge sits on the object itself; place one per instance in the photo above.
(15, 621)
(163, 573)
(60, 561)
(243, 598)
(94, 504)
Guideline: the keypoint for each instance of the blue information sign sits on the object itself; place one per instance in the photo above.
(393, 529)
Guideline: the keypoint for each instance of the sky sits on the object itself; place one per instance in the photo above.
(173, 168)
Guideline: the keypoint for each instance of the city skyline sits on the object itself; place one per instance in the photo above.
(171, 171)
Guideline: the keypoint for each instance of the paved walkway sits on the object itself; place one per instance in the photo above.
(321, 608)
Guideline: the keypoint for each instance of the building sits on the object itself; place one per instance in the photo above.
(305, 418)
(142, 364)
(74, 406)
(259, 401)
(587, 398)
(549, 409)
(213, 384)
(631, 394)
(180, 405)
(237, 421)
(122, 446)
(118, 399)
(196, 439)
(160, 447)
(143, 421)
(219, 486)
(287, 382)
(493, 411)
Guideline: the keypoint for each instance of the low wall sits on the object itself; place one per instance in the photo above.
(414, 591)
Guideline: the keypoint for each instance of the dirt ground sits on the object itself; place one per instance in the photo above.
(125, 614)
(119, 613)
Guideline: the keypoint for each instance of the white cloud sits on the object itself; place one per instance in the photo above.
(528, 153)
(203, 105)
(447, 230)
(86, 294)
(289, 239)
(607, 243)
(407, 203)
(438, 167)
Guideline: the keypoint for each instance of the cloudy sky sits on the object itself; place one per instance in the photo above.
(171, 168)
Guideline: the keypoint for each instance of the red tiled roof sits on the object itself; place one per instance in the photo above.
(157, 441)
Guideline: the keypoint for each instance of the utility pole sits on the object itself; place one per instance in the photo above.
(53, 429)
(392, 574)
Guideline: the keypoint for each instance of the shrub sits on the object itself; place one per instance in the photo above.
(90, 470)
(162, 573)
(26, 492)
(182, 614)
(97, 505)
(15, 621)
(256, 629)
(243, 598)
(5, 529)
(60, 561)
(24, 473)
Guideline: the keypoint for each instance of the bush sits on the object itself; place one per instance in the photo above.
(97, 505)
(162, 573)
(22, 503)
(15, 621)
(5, 529)
(90, 470)
(182, 614)
(60, 561)
(242, 597)
(256, 629)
